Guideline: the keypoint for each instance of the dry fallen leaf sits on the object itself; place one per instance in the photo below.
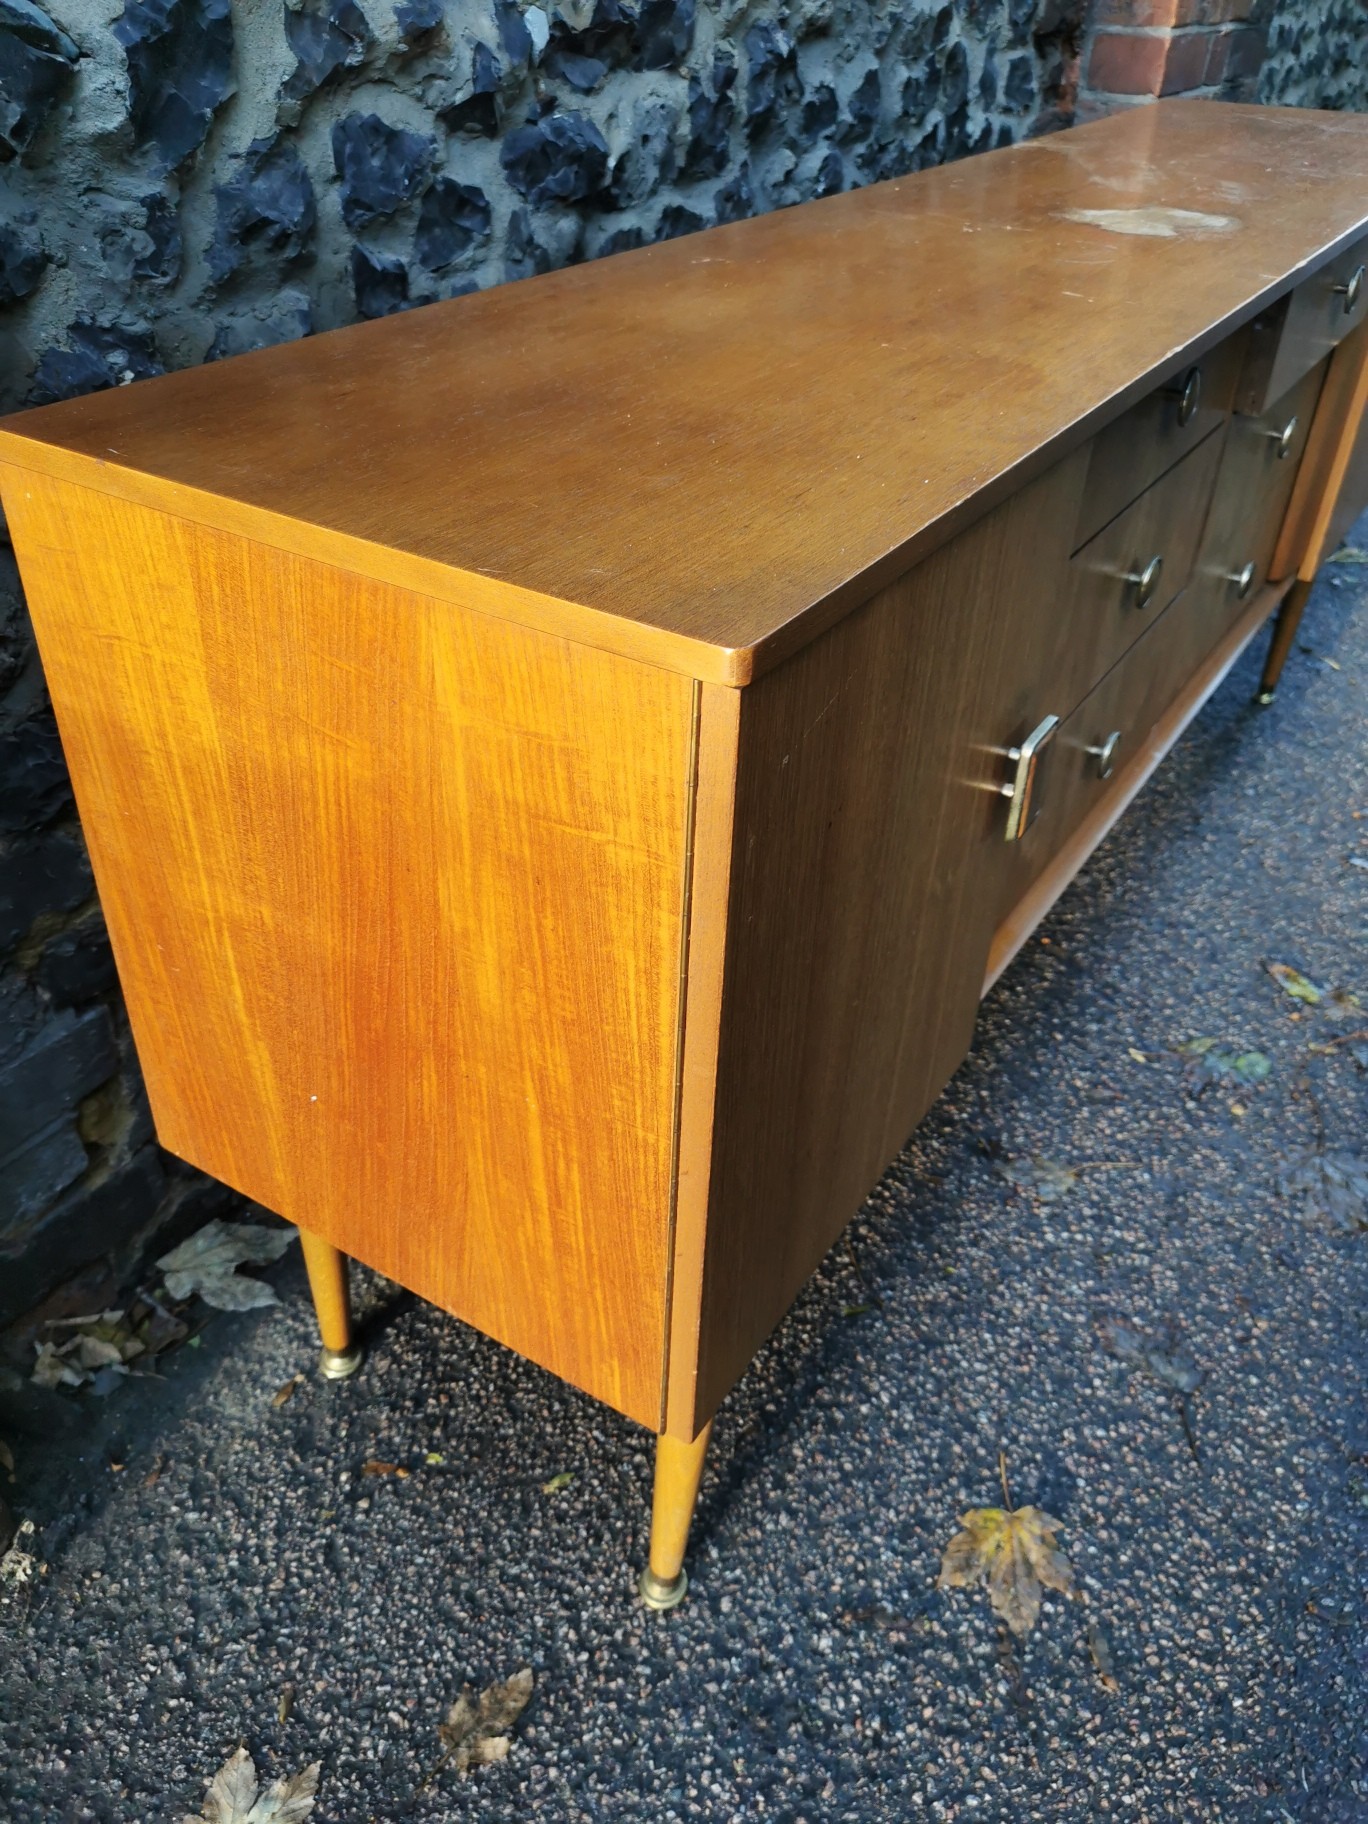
(1163, 1351)
(208, 1264)
(375, 1466)
(1293, 982)
(52, 1369)
(232, 1795)
(1013, 1551)
(281, 1394)
(561, 1480)
(1100, 1648)
(1044, 1179)
(476, 1730)
(1334, 1184)
(1208, 1062)
(19, 1565)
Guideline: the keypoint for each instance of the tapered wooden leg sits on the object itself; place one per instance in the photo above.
(327, 1270)
(678, 1470)
(1284, 632)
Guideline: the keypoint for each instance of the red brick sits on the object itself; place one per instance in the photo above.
(1211, 12)
(1217, 53)
(1136, 12)
(1128, 63)
(1185, 67)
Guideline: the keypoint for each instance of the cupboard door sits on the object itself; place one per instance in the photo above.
(868, 820)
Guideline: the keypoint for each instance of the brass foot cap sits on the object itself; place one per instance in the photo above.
(658, 1592)
(337, 1364)
(1265, 697)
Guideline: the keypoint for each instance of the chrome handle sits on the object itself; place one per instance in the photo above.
(1351, 290)
(1188, 393)
(1243, 581)
(1023, 789)
(1146, 581)
(1106, 754)
(1284, 439)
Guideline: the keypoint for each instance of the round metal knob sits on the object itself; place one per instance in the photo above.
(1243, 581)
(1146, 581)
(1351, 290)
(1284, 439)
(1188, 393)
(1105, 754)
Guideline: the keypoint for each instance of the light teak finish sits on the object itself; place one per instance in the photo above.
(469, 912)
(738, 436)
(396, 895)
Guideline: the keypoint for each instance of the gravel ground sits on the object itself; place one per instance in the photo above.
(206, 1549)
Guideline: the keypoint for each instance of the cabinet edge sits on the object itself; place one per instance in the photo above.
(703, 967)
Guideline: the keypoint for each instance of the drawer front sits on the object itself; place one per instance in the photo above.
(1299, 331)
(1144, 442)
(1102, 734)
(1123, 579)
(1258, 470)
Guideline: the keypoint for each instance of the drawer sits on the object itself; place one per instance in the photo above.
(1294, 335)
(1101, 734)
(1253, 486)
(1144, 442)
(1123, 579)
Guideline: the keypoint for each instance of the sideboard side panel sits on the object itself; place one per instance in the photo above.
(866, 830)
(396, 894)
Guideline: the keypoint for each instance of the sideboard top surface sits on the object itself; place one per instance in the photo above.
(702, 453)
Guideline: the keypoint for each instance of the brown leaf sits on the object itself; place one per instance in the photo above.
(1013, 1551)
(281, 1394)
(476, 1730)
(1100, 1648)
(1044, 1179)
(375, 1466)
(1293, 982)
(232, 1795)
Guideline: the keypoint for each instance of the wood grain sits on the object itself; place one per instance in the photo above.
(1101, 614)
(396, 896)
(704, 452)
(719, 721)
(867, 808)
(1143, 443)
(1353, 494)
(1110, 804)
(1250, 502)
(1340, 412)
(1300, 330)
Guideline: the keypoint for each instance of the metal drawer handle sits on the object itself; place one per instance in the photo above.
(1106, 754)
(1284, 439)
(1146, 581)
(1243, 580)
(1023, 789)
(1188, 393)
(1351, 290)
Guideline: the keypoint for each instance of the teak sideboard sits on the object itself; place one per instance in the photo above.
(562, 766)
